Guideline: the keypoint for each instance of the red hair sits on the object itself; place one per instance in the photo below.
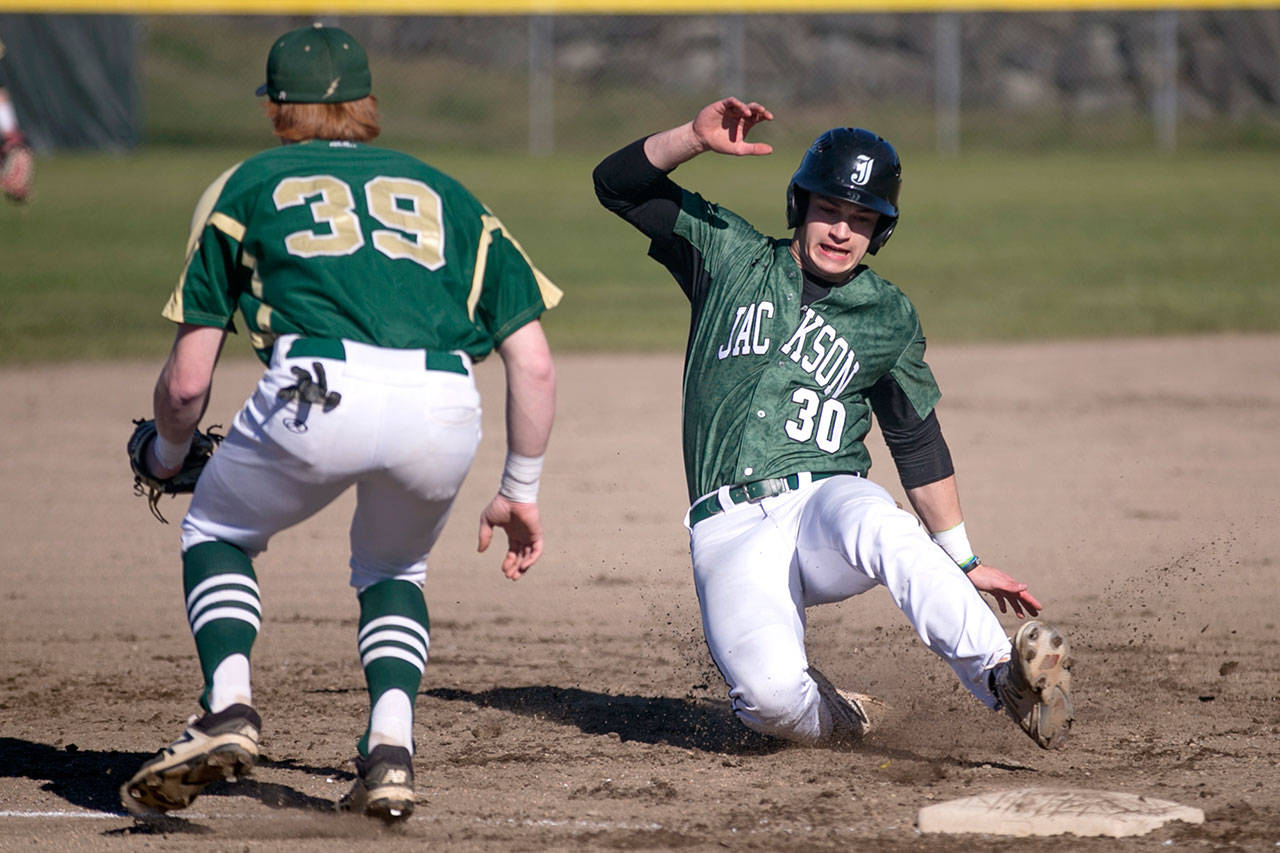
(353, 121)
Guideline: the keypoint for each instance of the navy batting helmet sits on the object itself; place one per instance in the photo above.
(852, 164)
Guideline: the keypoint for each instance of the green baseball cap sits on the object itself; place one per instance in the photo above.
(316, 65)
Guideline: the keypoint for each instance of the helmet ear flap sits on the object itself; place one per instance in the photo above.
(797, 205)
(884, 230)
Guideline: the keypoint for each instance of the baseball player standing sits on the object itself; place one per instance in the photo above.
(793, 344)
(369, 282)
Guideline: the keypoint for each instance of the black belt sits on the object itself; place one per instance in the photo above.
(333, 348)
(753, 492)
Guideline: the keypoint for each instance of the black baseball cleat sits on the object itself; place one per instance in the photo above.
(212, 748)
(1034, 687)
(383, 786)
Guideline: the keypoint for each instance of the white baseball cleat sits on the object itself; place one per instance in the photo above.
(213, 747)
(849, 720)
(1034, 686)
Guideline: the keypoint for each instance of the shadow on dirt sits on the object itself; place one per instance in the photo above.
(91, 779)
(684, 723)
(704, 725)
(87, 778)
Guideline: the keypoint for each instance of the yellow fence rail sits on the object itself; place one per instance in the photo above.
(603, 7)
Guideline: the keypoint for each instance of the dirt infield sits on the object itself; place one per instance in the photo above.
(1135, 485)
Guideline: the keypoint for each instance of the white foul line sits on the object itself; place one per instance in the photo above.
(93, 815)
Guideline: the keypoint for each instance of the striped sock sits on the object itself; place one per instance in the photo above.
(393, 643)
(225, 613)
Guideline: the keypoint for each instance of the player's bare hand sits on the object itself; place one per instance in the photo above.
(524, 533)
(724, 125)
(1008, 593)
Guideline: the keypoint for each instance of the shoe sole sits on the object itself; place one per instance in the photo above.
(387, 803)
(173, 783)
(391, 805)
(848, 711)
(1044, 659)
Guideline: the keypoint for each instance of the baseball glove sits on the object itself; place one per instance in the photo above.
(148, 485)
(17, 170)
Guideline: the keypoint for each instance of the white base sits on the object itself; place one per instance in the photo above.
(1039, 811)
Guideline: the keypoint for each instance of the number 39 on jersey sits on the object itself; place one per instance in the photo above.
(410, 210)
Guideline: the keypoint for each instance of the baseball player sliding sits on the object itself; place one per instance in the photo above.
(793, 345)
(369, 283)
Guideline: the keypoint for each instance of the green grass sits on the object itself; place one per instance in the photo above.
(1047, 237)
(1081, 246)
(989, 247)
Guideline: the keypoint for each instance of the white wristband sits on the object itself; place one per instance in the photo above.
(168, 454)
(520, 478)
(955, 542)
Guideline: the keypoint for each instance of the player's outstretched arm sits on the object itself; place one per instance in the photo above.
(1009, 594)
(721, 127)
(531, 393)
(938, 505)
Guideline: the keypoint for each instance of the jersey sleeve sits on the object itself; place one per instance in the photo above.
(687, 235)
(914, 377)
(509, 291)
(714, 244)
(213, 275)
(919, 451)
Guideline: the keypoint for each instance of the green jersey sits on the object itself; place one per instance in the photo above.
(344, 240)
(771, 387)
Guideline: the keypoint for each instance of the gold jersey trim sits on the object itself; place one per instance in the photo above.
(227, 226)
(199, 218)
(551, 295)
(262, 338)
(204, 209)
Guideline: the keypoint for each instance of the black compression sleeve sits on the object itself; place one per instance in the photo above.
(919, 451)
(642, 194)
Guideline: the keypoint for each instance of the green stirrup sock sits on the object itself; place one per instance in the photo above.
(393, 642)
(224, 609)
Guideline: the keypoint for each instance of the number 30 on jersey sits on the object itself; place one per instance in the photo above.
(818, 419)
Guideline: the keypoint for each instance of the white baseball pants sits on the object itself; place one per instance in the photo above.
(757, 566)
(403, 434)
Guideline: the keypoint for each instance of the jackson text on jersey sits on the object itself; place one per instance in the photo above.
(814, 344)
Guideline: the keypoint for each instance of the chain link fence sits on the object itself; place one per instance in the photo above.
(951, 81)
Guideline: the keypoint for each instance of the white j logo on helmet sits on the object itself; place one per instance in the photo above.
(861, 170)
